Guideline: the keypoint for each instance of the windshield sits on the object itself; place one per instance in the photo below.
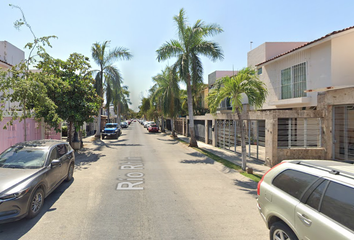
(22, 157)
(111, 125)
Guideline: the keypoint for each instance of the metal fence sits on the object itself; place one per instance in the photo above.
(228, 136)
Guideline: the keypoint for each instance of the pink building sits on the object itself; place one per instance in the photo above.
(9, 57)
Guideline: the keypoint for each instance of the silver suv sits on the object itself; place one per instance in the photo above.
(308, 199)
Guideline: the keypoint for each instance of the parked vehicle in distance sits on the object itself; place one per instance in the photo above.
(111, 130)
(153, 128)
(124, 125)
(147, 123)
(308, 199)
(29, 172)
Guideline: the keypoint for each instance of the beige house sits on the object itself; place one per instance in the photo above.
(309, 110)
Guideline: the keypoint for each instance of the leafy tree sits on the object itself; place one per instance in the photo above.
(145, 106)
(104, 59)
(166, 90)
(190, 45)
(78, 101)
(246, 83)
(121, 100)
(196, 97)
(27, 90)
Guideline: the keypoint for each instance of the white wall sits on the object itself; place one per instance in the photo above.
(11, 54)
(270, 50)
(343, 59)
(318, 58)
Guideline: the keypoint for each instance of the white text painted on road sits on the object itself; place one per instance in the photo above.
(131, 180)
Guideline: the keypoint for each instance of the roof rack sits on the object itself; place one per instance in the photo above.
(328, 169)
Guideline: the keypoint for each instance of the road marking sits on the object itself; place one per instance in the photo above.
(131, 180)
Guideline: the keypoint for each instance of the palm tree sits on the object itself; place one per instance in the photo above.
(145, 106)
(121, 100)
(246, 82)
(166, 90)
(104, 59)
(190, 45)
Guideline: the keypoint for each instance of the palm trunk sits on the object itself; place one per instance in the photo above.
(173, 128)
(162, 124)
(118, 115)
(243, 139)
(100, 92)
(108, 115)
(98, 131)
(193, 140)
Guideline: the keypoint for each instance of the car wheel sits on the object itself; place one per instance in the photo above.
(70, 173)
(117, 136)
(36, 203)
(279, 230)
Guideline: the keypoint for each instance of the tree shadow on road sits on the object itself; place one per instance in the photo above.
(85, 157)
(247, 186)
(169, 141)
(203, 159)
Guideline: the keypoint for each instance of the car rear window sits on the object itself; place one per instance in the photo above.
(294, 182)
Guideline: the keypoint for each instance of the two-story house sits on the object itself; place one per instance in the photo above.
(309, 110)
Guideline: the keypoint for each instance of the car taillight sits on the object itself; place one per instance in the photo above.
(260, 182)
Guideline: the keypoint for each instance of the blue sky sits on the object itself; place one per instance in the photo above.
(143, 26)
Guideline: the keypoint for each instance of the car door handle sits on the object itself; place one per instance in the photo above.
(304, 219)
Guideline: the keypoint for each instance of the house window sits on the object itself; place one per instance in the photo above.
(259, 71)
(293, 81)
(299, 133)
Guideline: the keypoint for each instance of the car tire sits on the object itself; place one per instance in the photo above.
(70, 175)
(280, 230)
(36, 203)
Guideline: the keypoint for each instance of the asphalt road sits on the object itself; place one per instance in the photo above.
(145, 186)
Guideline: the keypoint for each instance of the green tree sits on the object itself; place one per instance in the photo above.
(121, 101)
(188, 49)
(245, 83)
(78, 101)
(104, 58)
(166, 90)
(144, 107)
(26, 89)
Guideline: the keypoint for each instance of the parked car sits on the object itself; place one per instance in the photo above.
(153, 128)
(111, 130)
(29, 172)
(124, 125)
(147, 123)
(311, 199)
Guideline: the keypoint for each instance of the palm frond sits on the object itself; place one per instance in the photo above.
(210, 50)
(181, 21)
(169, 49)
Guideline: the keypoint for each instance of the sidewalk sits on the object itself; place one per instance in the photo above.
(236, 158)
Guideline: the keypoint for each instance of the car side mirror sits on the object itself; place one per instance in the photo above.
(55, 163)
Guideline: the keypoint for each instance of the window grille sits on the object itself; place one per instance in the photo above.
(299, 133)
(293, 81)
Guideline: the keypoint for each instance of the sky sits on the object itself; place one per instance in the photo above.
(142, 26)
